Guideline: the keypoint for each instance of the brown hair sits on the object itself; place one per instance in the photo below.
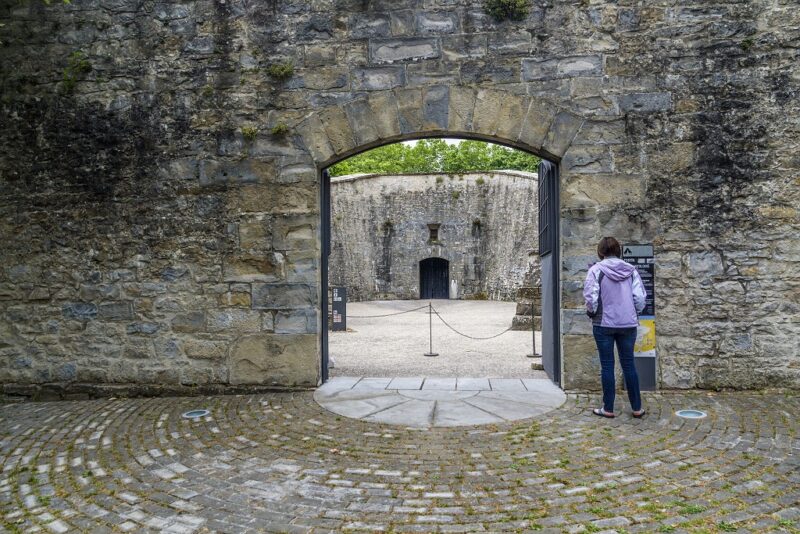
(608, 246)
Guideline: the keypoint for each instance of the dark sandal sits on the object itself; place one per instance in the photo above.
(602, 413)
(638, 415)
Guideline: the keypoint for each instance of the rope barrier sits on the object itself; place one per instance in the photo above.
(466, 335)
(385, 315)
(433, 310)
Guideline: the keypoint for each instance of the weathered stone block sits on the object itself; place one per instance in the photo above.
(234, 320)
(436, 22)
(314, 138)
(580, 363)
(165, 349)
(391, 50)
(275, 359)
(189, 322)
(214, 173)
(435, 108)
(409, 109)
(296, 322)
(455, 47)
(362, 121)
(235, 298)
(512, 42)
(588, 159)
(337, 127)
(461, 104)
(89, 292)
(548, 69)
(369, 24)
(82, 311)
(487, 111)
(509, 118)
(201, 349)
(294, 232)
(283, 296)
(115, 311)
(139, 348)
(254, 233)
(302, 266)
(377, 78)
(267, 267)
(562, 131)
(319, 55)
(325, 78)
(645, 102)
(704, 264)
(384, 112)
(143, 328)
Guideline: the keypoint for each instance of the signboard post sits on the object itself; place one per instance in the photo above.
(644, 353)
(339, 296)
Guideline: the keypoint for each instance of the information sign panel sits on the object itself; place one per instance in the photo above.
(339, 308)
(644, 352)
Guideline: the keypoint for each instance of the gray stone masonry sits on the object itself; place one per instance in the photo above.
(379, 232)
(159, 176)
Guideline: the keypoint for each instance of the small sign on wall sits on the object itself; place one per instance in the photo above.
(644, 352)
(339, 308)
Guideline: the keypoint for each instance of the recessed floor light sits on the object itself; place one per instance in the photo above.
(691, 414)
(194, 414)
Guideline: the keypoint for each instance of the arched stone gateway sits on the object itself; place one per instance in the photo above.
(160, 174)
(535, 125)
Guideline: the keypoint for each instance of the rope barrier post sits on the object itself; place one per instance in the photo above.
(534, 354)
(430, 332)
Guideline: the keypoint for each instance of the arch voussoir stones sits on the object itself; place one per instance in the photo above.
(339, 131)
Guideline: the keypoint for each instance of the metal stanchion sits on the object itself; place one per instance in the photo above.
(533, 354)
(430, 332)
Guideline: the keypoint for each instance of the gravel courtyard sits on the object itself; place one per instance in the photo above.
(393, 345)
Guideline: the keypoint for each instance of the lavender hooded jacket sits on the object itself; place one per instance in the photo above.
(614, 294)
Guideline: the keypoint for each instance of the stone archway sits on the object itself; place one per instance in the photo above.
(381, 117)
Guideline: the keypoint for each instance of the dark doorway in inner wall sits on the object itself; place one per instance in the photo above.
(434, 278)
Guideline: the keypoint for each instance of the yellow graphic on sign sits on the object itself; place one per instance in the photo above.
(645, 338)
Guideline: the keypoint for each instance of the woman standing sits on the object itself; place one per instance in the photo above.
(614, 297)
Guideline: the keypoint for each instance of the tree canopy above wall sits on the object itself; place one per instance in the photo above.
(437, 155)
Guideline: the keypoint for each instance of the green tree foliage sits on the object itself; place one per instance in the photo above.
(435, 155)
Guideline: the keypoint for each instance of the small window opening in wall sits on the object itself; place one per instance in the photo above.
(433, 233)
(476, 228)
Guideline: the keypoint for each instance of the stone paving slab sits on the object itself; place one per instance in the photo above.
(444, 384)
(439, 402)
(406, 383)
(279, 462)
(474, 384)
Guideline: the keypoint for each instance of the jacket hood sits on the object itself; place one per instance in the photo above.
(616, 269)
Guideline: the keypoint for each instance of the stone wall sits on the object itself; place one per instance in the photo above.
(380, 232)
(155, 231)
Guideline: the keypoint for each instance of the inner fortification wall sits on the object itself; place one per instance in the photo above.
(486, 226)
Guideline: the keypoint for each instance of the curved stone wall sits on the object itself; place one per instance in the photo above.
(159, 172)
(487, 230)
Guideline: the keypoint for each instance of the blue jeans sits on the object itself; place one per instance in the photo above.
(625, 338)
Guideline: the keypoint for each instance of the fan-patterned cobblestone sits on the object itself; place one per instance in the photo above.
(280, 463)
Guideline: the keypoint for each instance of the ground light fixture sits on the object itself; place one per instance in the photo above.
(691, 414)
(196, 414)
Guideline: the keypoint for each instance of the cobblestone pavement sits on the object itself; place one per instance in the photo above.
(280, 463)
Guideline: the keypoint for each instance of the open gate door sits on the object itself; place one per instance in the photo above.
(325, 238)
(550, 269)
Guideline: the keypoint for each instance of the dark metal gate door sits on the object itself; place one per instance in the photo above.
(550, 267)
(434, 279)
(325, 203)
